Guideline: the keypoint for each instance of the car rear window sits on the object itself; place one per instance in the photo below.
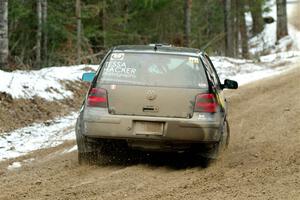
(152, 69)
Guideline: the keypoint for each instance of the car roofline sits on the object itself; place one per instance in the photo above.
(158, 49)
(158, 52)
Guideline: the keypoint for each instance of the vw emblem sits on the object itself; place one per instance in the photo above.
(150, 94)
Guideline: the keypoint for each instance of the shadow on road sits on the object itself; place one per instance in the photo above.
(129, 157)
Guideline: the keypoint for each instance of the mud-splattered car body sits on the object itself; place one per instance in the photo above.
(155, 98)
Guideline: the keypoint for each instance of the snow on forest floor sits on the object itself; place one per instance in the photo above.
(246, 71)
(55, 132)
(37, 136)
(45, 83)
(266, 41)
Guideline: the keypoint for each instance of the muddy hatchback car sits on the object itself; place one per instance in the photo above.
(154, 98)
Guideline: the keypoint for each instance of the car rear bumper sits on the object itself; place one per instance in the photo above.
(98, 123)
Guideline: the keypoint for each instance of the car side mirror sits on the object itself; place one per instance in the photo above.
(230, 84)
(88, 77)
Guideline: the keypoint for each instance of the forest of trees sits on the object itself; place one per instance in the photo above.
(42, 33)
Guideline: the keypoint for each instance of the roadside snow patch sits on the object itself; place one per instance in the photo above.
(14, 165)
(246, 71)
(45, 83)
(295, 35)
(277, 58)
(37, 136)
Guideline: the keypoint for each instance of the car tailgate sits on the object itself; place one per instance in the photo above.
(151, 101)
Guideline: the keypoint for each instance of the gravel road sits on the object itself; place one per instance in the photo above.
(262, 162)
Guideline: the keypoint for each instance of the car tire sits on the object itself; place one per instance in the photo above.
(222, 145)
(214, 152)
(224, 141)
(87, 151)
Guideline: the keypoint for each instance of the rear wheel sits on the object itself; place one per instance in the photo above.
(103, 152)
(87, 150)
(224, 141)
(215, 150)
(96, 151)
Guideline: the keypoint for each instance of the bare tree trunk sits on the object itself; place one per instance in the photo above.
(39, 34)
(78, 16)
(126, 14)
(256, 14)
(236, 22)
(243, 30)
(228, 24)
(102, 18)
(45, 32)
(281, 19)
(187, 21)
(3, 34)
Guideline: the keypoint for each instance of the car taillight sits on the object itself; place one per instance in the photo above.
(97, 98)
(206, 103)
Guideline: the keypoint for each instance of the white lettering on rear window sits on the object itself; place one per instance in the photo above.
(119, 69)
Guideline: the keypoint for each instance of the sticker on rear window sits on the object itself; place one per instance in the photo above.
(119, 69)
(194, 60)
(202, 85)
(117, 56)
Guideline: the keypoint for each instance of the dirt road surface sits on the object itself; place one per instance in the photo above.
(262, 162)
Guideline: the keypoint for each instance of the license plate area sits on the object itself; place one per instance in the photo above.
(148, 128)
